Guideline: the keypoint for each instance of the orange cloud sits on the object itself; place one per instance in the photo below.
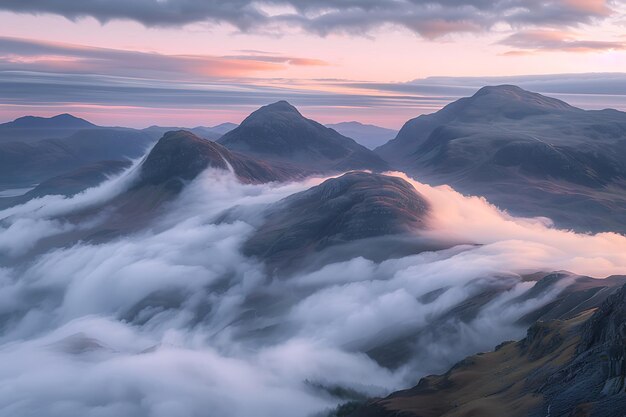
(25, 54)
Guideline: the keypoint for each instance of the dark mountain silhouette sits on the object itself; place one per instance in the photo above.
(370, 136)
(572, 365)
(279, 132)
(528, 153)
(61, 121)
(180, 156)
(223, 127)
(32, 128)
(26, 163)
(206, 132)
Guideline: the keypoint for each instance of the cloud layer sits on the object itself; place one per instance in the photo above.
(429, 19)
(174, 320)
(41, 56)
(555, 40)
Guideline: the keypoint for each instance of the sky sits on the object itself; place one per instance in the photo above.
(198, 62)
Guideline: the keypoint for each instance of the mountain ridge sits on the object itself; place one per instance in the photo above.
(525, 152)
(278, 131)
(64, 120)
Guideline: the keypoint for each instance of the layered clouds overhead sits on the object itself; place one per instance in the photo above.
(427, 18)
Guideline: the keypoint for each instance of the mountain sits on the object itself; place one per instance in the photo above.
(223, 128)
(370, 136)
(525, 152)
(29, 128)
(211, 133)
(279, 132)
(566, 367)
(180, 156)
(176, 159)
(61, 121)
(340, 212)
(27, 163)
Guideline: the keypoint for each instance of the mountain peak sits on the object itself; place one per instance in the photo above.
(298, 224)
(279, 132)
(179, 155)
(280, 106)
(63, 121)
(500, 89)
(514, 95)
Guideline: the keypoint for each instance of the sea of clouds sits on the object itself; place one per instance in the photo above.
(174, 320)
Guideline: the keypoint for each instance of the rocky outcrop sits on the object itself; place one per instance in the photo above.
(593, 384)
(563, 368)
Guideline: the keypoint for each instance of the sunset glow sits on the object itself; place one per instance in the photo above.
(357, 62)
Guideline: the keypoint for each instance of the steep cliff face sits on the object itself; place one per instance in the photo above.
(593, 383)
(563, 368)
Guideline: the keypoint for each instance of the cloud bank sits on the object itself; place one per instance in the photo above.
(429, 19)
(174, 320)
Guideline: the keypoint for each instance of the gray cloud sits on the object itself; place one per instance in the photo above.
(427, 18)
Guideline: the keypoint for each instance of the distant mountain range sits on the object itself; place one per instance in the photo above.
(32, 128)
(370, 136)
(61, 121)
(530, 154)
(211, 133)
(279, 132)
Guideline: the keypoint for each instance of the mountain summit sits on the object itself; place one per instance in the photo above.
(181, 156)
(512, 146)
(279, 132)
(61, 121)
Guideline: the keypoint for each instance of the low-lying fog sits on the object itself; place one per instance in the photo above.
(175, 321)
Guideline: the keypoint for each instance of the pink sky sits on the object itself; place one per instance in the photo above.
(283, 57)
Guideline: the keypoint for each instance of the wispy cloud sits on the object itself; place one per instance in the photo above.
(37, 55)
(555, 40)
(142, 88)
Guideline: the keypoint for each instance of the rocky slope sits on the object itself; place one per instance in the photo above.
(528, 153)
(355, 206)
(572, 366)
